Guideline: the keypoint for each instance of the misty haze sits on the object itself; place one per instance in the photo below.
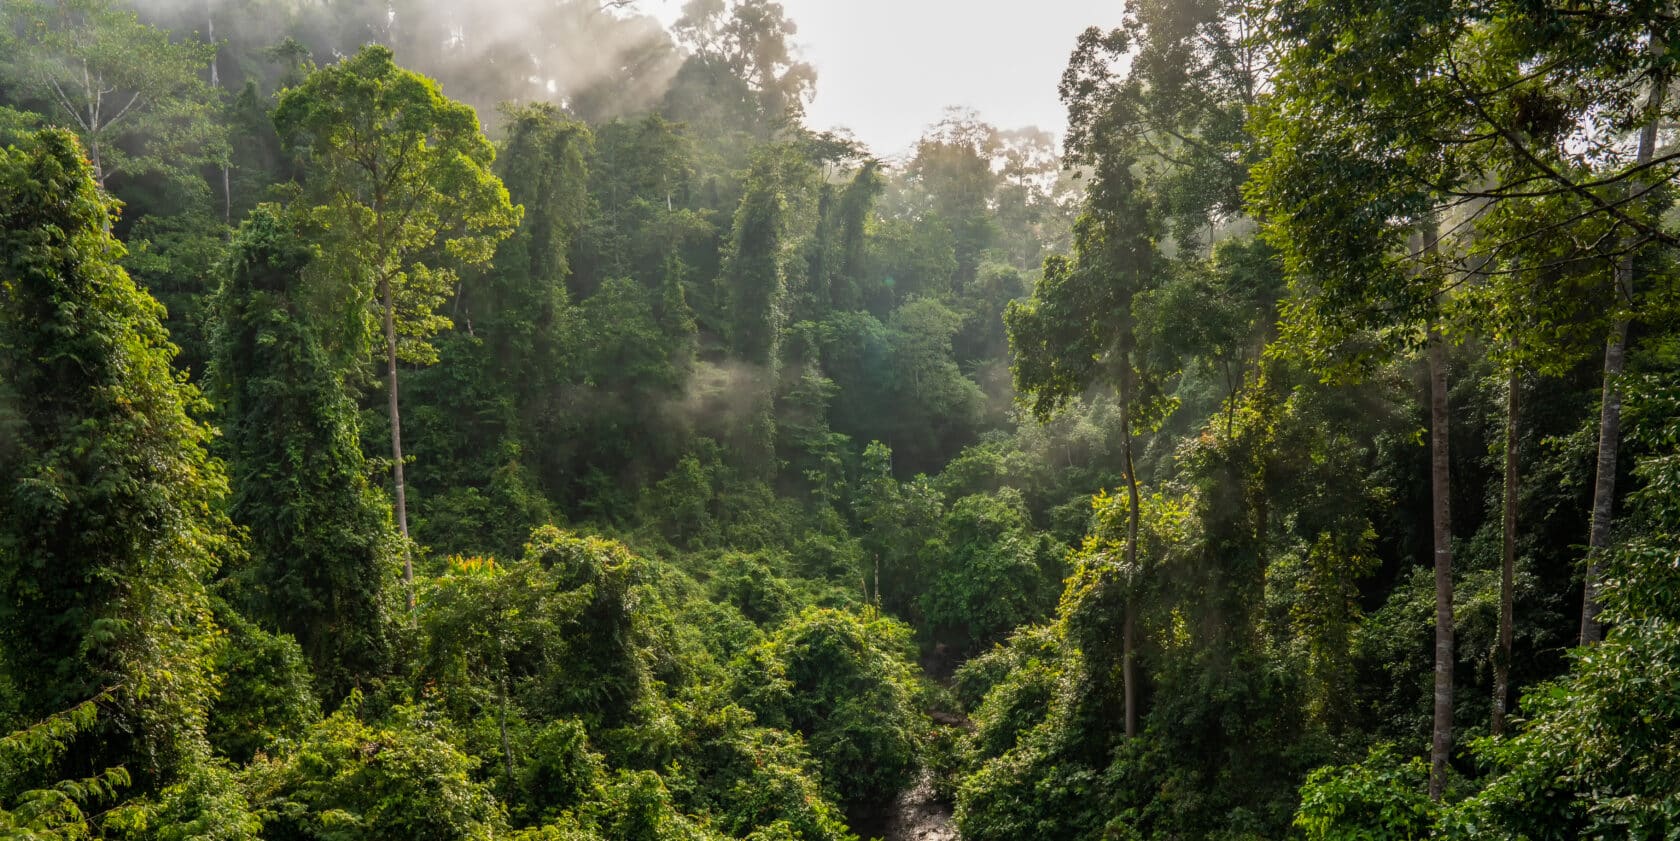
(908, 420)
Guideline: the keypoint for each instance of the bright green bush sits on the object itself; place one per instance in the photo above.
(632, 806)
(560, 773)
(751, 585)
(638, 807)
(396, 780)
(206, 805)
(847, 685)
(57, 809)
(754, 779)
(568, 631)
(1384, 798)
(992, 573)
(1032, 791)
(978, 675)
(1015, 705)
(266, 693)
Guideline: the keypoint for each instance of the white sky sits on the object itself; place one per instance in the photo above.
(886, 69)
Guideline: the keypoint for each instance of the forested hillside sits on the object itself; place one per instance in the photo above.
(427, 420)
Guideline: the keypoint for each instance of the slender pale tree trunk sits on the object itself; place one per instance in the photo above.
(1610, 405)
(1440, 481)
(507, 744)
(94, 158)
(388, 297)
(1507, 570)
(1128, 641)
(1440, 484)
(210, 33)
(216, 82)
(1609, 445)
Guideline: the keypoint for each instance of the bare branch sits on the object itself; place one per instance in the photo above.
(130, 104)
(64, 100)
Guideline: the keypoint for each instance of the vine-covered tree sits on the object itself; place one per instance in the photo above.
(1079, 329)
(398, 189)
(322, 551)
(111, 521)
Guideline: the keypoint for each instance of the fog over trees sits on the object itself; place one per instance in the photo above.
(433, 420)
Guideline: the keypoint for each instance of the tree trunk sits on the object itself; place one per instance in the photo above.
(1129, 666)
(210, 33)
(507, 746)
(1609, 444)
(388, 296)
(1610, 406)
(1440, 487)
(98, 167)
(216, 82)
(1128, 641)
(1502, 656)
(1440, 490)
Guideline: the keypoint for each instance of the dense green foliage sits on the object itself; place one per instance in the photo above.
(741, 484)
(321, 547)
(111, 515)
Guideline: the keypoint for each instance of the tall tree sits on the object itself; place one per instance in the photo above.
(1349, 202)
(1156, 113)
(521, 307)
(110, 522)
(1440, 515)
(321, 542)
(1079, 329)
(1400, 299)
(399, 189)
(853, 208)
(1615, 350)
(1507, 553)
(755, 289)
